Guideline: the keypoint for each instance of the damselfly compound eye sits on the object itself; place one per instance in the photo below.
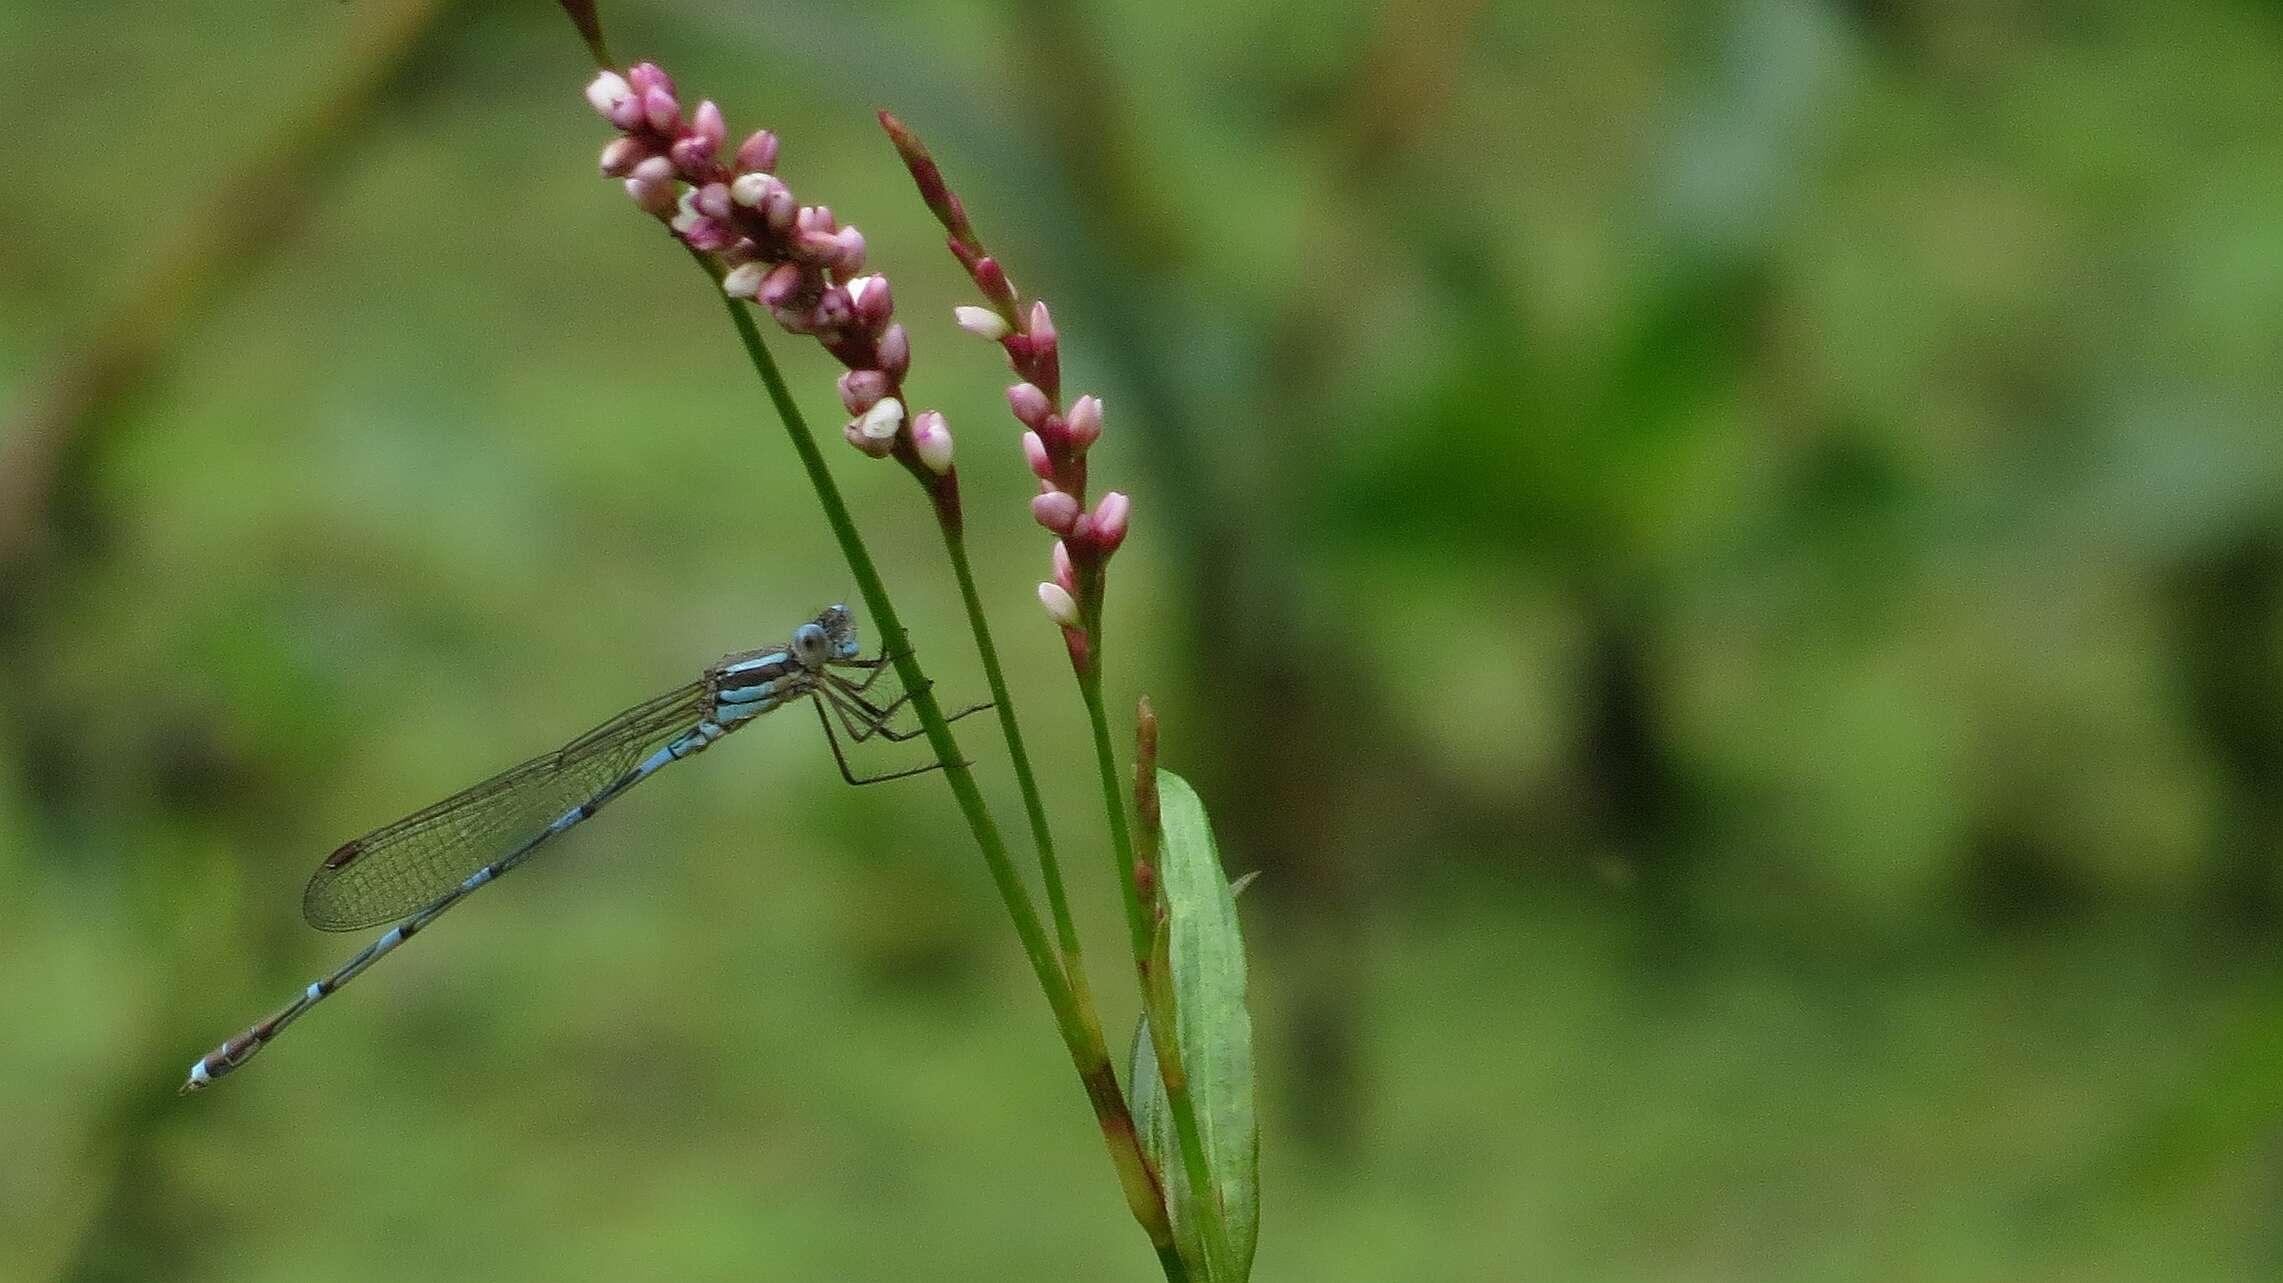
(810, 645)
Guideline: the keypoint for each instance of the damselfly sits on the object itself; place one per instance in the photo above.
(425, 863)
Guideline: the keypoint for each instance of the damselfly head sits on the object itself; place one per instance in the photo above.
(829, 637)
(840, 630)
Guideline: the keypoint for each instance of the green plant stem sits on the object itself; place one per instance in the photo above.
(1157, 989)
(1113, 796)
(1049, 867)
(1080, 1028)
(1204, 1196)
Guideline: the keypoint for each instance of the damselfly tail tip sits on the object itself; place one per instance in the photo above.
(221, 1060)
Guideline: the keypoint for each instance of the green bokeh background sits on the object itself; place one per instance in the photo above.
(1725, 560)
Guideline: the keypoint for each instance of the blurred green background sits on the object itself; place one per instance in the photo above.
(1725, 560)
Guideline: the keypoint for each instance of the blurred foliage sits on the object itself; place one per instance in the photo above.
(1727, 561)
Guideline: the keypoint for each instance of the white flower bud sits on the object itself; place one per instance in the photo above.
(981, 322)
(1060, 606)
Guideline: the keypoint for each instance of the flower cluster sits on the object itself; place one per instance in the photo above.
(1055, 440)
(795, 260)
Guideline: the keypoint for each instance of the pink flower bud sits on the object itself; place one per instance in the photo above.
(894, 351)
(744, 281)
(1085, 422)
(702, 233)
(692, 157)
(654, 198)
(749, 189)
(707, 126)
(819, 248)
(656, 170)
(833, 310)
(607, 92)
(620, 155)
(1034, 454)
(778, 208)
(931, 440)
(780, 286)
(662, 112)
(1057, 510)
(860, 390)
(759, 151)
(851, 258)
(1041, 328)
(712, 201)
(875, 302)
(816, 220)
(981, 322)
(646, 76)
(992, 280)
(794, 320)
(1059, 605)
(1110, 517)
(1029, 404)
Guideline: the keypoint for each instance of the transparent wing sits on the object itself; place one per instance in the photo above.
(397, 868)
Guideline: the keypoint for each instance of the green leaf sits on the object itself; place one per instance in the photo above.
(1200, 957)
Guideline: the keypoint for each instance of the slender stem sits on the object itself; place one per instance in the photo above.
(1157, 991)
(1050, 869)
(1074, 1017)
(1113, 796)
(1204, 1196)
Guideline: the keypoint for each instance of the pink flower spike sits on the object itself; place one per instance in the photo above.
(1034, 454)
(758, 152)
(1059, 605)
(931, 440)
(661, 110)
(860, 390)
(1085, 422)
(1057, 510)
(894, 350)
(621, 155)
(1064, 573)
(981, 322)
(1110, 517)
(1029, 404)
(606, 92)
(744, 281)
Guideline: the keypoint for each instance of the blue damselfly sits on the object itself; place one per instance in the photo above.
(412, 871)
